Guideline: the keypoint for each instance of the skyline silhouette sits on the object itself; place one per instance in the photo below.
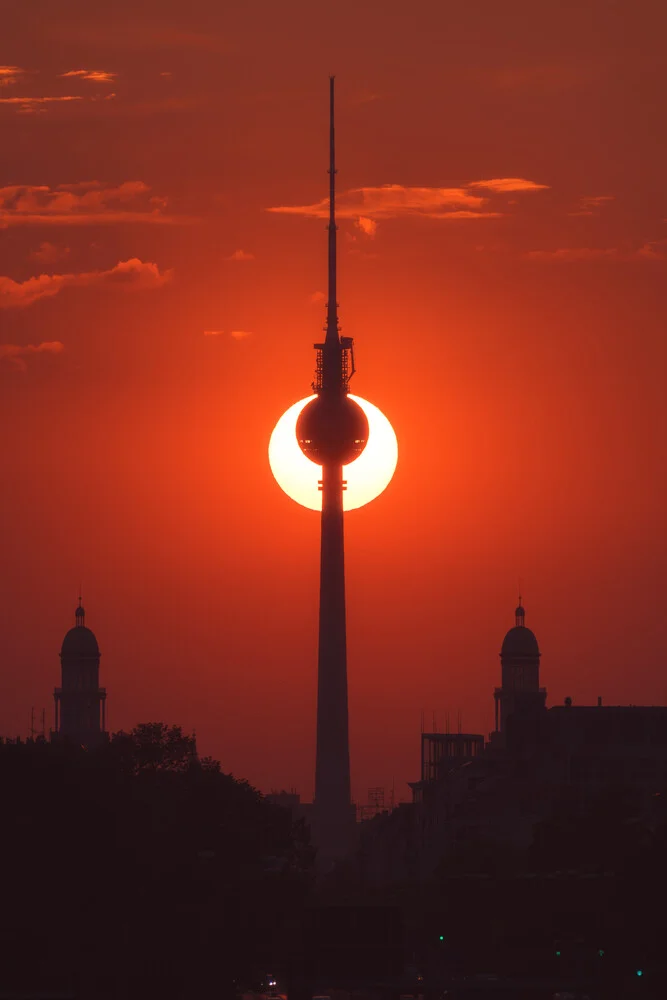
(501, 254)
(78, 700)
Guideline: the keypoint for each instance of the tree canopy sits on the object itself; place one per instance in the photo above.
(140, 865)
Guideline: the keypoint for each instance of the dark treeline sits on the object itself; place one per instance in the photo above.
(139, 870)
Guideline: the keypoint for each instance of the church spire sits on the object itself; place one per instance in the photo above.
(80, 614)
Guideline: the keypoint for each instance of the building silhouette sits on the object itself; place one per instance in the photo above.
(332, 431)
(80, 702)
(520, 689)
(473, 790)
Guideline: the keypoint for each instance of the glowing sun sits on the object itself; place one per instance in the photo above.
(366, 477)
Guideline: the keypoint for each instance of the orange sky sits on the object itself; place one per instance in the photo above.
(519, 350)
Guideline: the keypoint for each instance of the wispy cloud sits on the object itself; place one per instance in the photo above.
(366, 205)
(10, 74)
(80, 204)
(133, 32)
(574, 254)
(235, 334)
(30, 105)
(317, 297)
(389, 201)
(367, 226)
(464, 213)
(590, 204)
(97, 75)
(655, 250)
(49, 253)
(15, 354)
(128, 274)
(502, 185)
(240, 255)
(652, 250)
(365, 97)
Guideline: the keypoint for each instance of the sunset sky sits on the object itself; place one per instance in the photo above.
(502, 269)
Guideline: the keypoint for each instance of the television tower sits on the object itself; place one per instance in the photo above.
(332, 431)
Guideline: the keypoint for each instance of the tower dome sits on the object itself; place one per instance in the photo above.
(80, 641)
(520, 641)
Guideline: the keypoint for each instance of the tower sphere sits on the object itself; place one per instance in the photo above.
(332, 428)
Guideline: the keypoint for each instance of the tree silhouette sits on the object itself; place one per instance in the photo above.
(137, 869)
(154, 746)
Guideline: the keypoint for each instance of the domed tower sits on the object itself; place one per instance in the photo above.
(80, 701)
(520, 691)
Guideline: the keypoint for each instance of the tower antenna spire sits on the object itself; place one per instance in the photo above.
(332, 303)
(332, 431)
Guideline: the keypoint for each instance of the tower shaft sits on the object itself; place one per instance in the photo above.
(332, 431)
(332, 767)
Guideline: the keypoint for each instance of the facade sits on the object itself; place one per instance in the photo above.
(592, 747)
(476, 791)
(80, 702)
